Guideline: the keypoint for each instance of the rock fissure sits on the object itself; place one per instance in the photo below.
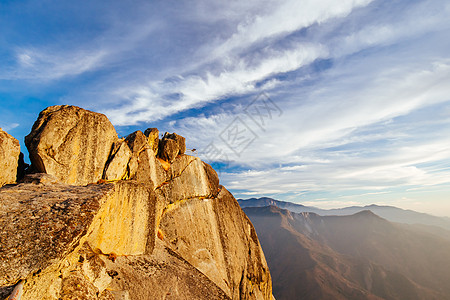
(172, 178)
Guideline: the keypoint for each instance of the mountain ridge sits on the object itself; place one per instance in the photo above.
(391, 213)
(359, 256)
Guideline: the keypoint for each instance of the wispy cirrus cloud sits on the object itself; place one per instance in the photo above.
(362, 86)
(224, 68)
(155, 102)
(35, 64)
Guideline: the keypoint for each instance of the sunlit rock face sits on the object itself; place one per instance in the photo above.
(9, 157)
(137, 223)
(71, 143)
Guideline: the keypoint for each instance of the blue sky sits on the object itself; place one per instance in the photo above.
(320, 102)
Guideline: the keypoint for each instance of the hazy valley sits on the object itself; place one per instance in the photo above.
(356, 256)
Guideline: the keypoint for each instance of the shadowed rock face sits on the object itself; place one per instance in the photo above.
(9, 157)
(171, 145)
(157, 229)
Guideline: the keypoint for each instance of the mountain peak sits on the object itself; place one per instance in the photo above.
(110, 211)
(366, 213)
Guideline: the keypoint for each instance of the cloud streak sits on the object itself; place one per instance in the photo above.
(363, 86)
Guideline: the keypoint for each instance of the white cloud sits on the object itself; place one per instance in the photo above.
(351, 78)
(149, 103)
(285, 18)
(225, 68)
(37, 65)
(8, 127)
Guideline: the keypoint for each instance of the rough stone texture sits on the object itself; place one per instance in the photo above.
(153, 138)
(246, 265)
(162, 229)
(117, 166)
(136, 141)
(143, 165)
(22, 167)
(223, 248)
(125, 224)
(171, 145)
(42, 223)
(168, 149)
(71, 143)
(39, 178)
(147, 168)
(181, 142)
(76, 242)
(188, 179)
(9, 158)
(173, 276)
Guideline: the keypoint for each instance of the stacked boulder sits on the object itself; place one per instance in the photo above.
(130, 218)
(9, 158)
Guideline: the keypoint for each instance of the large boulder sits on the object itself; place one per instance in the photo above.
(153, 138)
(170, 146)
(9, 158)
(71, 143)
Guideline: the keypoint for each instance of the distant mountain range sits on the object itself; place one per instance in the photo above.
(358, 256)
(390, 213)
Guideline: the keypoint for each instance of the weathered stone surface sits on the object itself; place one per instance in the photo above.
(168, 149)
(74, 239)
(22, 167)
(199, 245)
(150, 169)
(153, 138)
(224, 248)
(40, 178)
(136, 141)
(163, 229)
(144, 166)
(181, 142)
(117, 166)
(42, 223)
(171, 145)
(246, 265)
(188, 179)
(76, 287)
(213, 179)
(163, 275)
(9, 157)
(71, 143)
(125, 224)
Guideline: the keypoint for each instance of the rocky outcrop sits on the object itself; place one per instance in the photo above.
(171, 145)
(71, 143)
(153, 138)
(9, 158)
(157, 226)
(208, 233)
(116, 167)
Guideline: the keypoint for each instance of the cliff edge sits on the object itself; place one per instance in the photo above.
(131, 218)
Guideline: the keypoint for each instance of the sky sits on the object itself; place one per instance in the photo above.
(319, 102)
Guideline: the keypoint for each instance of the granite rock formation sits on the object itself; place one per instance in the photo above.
(171, 145)
(71, 143)
(146, 221)
(9, 158)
